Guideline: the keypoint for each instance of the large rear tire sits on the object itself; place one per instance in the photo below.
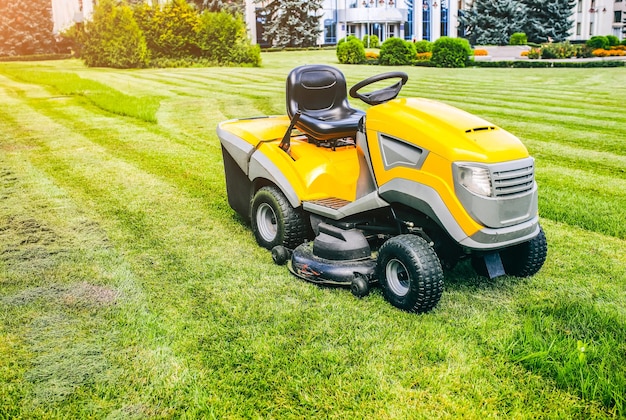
(274, 222)
(410, 273)
(526, 259)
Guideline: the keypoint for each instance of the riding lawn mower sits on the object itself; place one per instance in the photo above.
(391, 196)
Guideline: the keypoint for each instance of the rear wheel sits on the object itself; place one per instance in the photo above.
(274, 221)
(526, 259)
(410, 273)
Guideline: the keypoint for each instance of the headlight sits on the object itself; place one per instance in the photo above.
(476, 179)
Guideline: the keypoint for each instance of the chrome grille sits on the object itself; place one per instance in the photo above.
(513, 181)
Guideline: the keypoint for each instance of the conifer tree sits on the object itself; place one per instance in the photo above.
(292, 23)
(26, 27)
(493, 21)
(548, 20)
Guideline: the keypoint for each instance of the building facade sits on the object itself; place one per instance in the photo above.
(598, 17)
(407, 19)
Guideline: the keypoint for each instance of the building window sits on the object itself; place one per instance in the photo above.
(580, 6)
(590, 28)
(352, 30)
(444, 17)
(408, 26)
(330, 31)
(578, 28)
(426, 20)
(618, 17)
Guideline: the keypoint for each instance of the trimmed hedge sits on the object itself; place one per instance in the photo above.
(547, 64)
(397, 52)
(350, 51)
(451, 52)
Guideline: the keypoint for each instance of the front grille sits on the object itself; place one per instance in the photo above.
(513, 181)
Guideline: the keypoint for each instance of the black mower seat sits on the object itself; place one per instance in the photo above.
(319, 92)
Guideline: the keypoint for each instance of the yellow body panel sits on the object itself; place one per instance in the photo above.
(448, 135)
(314, 172)
(317, 172)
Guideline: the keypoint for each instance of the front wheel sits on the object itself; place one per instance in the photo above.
(526, 259)
(275, 222)
(410, 273)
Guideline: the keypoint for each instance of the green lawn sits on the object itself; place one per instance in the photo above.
(130, 289)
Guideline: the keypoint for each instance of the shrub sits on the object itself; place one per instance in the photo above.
(451, 52)
(113, 38)
(396, 52)
(423, 46)
(613, 40)
(558, 50)
(371, 55)
(373, 40)
(598, 41)
(170, 30)
(346, 39)
(222, 38)
(534, 53)
(518, 38)
(583, 51)
(350, 51)
(425, 56)
(623, 41)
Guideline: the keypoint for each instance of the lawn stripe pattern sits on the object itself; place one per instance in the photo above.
(130, 289)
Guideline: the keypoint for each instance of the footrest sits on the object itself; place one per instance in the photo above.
(330, 202)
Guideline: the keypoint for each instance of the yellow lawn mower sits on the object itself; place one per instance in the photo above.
(392, 195)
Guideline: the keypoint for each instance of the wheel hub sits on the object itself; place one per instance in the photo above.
(397, 277)
(266, 222)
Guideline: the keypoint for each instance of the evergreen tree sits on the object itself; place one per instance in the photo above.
(493, 21)
(26, 27)
(292, 23)
(548, 20)
(233, 7)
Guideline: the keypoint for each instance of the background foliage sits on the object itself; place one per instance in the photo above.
(451, 52)
(26, 28)
(171, 35)
(113, 38)
(291, 23)
(350, 50)
(396, 52)
(494, 21)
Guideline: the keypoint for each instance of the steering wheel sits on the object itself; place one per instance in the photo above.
(382, 95)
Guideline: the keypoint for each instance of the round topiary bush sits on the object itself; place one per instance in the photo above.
(451, 52)
(396, 52)
(613, 40)
(518, 38)
(598, 41)
(350, 51)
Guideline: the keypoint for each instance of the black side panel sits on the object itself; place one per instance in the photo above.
(238, 186)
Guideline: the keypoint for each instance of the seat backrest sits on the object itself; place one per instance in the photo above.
(315, 90)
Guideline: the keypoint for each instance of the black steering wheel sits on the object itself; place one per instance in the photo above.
(382, 95)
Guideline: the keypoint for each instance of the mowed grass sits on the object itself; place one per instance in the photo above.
(130, 289)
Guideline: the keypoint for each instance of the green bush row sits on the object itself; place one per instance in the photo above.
(545, 64)
(446, 52)
(174, 34)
